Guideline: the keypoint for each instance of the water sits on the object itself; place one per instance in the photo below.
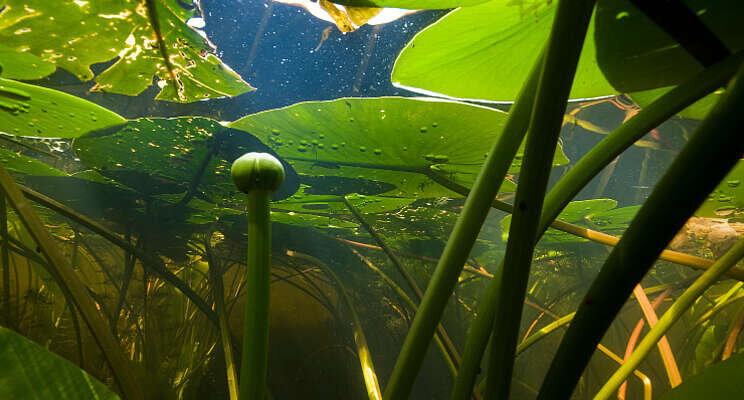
(144, 214)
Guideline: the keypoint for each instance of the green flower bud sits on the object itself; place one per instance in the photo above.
(257, 171)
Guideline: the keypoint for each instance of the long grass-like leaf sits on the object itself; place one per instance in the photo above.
(692, 176)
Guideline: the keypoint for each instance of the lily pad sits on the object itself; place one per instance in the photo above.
(485, 52)
(333, 204)
(28, 371)
(720, 381)
(76, 34)
(391, 140)
(29, 110)
(635, 54)
(170, 156)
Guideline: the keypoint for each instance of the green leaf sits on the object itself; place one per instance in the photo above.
(74, 35)
(29, 110)
(26, 165)
(727, 200)
(28, 371)
(720, 381)
(411, 4)
(23, 66)
(635, 54)
(167, 156)
(389, 141)
(485, 52)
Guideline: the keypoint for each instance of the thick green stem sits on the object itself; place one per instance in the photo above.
(624, 136)
(562, 56)
(455, 254)
(256, 325)
(648, 234)
(112, 352)
(5, 260)
(680, 306)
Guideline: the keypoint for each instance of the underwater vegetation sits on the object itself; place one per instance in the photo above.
(544, 202)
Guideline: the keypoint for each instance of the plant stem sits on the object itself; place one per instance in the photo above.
(674, 312)
(148, 261)
(457, 249)
(256, 326)
(648, 234)
(561, 58)
(101, 332)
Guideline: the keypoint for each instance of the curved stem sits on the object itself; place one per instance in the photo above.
(561, 58)
(256, 325)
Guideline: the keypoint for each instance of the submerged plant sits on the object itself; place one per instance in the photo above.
(400, 168)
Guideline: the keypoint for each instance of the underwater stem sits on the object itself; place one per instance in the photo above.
(256, 326)
(561, 58)
(649, 232)
(5, 259)
(110, 348)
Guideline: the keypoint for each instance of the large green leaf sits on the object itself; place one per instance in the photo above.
(28, 371)
(26, 165)
(727, 200)
(23, 66)
(486, 51)
(29, 110)
(170, 156)
(76, 34)
(720, 381)
(635, 54)
(388, 140)
(411, 4)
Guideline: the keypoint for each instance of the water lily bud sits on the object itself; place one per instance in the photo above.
(257, 171)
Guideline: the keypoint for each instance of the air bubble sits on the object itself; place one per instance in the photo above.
(378, 151)
(275, 132)
(423, 129)
(362, 149)
(733, 183)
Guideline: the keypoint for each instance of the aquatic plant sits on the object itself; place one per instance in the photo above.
(355, 162)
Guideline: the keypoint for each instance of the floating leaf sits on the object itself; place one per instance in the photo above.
(635, 54)
(305, 201)
(388, 140)
(76, 34)
(171, 156)
(486, 51)
(727, 200)
(29, 110)
(28, 371)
